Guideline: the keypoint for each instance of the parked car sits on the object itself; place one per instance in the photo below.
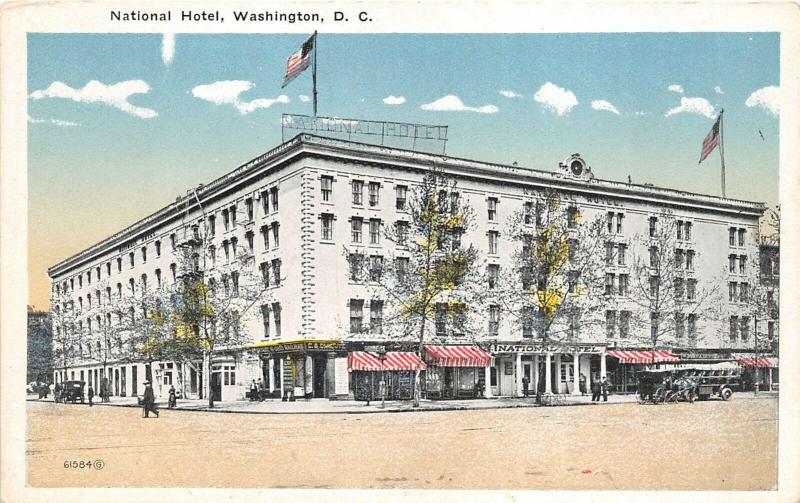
(72, 391)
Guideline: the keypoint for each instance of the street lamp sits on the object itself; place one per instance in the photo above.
(382, 386)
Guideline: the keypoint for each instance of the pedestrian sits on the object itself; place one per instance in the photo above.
(604, 389)
(595, 390)
(525, 386)
(582, 384)
(57, 393)
(104, 390)
(90, 394)
(149, 400)
(261, 391)
(253, 391)
(173, 401)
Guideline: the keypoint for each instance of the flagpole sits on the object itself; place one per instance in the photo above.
(721, 149)
(314, 78)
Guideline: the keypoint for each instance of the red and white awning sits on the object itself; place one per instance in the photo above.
(764, 362)
(395, 360)
(644, 356)
(457, 356)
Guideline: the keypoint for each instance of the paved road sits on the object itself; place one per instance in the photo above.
(707, 445)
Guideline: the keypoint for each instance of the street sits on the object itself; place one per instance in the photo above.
(711, 445)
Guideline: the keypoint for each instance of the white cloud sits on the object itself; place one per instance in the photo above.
(115, 95)
(511, 94)
(556, 99)
(699, 106)
(304, 98)
(604, 105)
(718, 90)
(451, 103)
(767, 98)
(226, 92)
(55, 122)
(394, 100)
(675, 88)
(167, 48)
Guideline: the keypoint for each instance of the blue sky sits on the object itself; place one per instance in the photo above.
(124, 159)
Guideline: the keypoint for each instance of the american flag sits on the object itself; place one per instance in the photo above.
(298, 61)
(711, 141)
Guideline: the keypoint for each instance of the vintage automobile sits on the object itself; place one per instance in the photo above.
(708, 383)
(72, 391)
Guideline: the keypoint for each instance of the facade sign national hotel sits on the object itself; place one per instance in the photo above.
(545, 348)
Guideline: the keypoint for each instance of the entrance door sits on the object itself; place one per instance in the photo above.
(192, 381)
(449, 385)
(134, 380)
(527, 374)
(216, 386)
(319, 377)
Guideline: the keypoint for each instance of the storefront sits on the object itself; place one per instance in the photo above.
(520, 369)
(395, 369)
(455, 371)
(761, 371)
(306, 368)
(624, 364)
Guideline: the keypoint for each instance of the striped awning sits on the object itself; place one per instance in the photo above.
(457, 356)
(644, 356)
(395, 360)
(764, 362)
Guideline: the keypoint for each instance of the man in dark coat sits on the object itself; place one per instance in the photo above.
(90, 394)
(149, 400)
(595, 390)
(604, 390)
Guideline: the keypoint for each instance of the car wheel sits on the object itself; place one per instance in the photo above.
(726, 394)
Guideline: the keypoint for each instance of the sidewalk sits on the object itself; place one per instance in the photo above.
(325, 406)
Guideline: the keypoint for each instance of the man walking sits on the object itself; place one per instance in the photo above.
(604, 389)
(90, 394)
(595, 391)
(149, 400)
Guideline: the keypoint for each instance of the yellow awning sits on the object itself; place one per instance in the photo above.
(300, 343)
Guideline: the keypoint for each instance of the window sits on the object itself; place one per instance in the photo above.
(678, 288)
(119, 264)
(528, 213)
(654, 324)
(374, 193)
(653, 226)
(620, 217)
(108, 288)
(130, 258)
(732, 293)
(493, 272)
(678, 258)
(356, 315)
(248, 205)
(572, 281)
(741, 237)
(492, 208)
(226, 246)
(679, 326)
(624, 324)
(356, 263)
(654, 285)
(212, 229)
(358, 192)
(494, 320)
(454, 202)
(264, 268)
(326, 186)
(401, 230)
(611, 324)
(653, 256)
(771, 330)
(97, 272)
(623, 284)
(610, 221)
(734, 327)
(572, 217)
(119, 290)
(609, 284)
(276, 271)
(276, 317)
(691, 327)
(690, 260)
(234, 246)
(688, 232)
(274, 196)
(88, 277)
(264, 202)
(375, 268)
(232, 213)
(265, 236)
(609, 253)
(744, 292)
(528, 319)
(327, 226)
(493, 242)
(374, 231)
(691, 286)
(539, 213)
(275, 234)
(744, 328)
(89, 300)
(132, 286)
(355, 229)
(440, 319)
(400, 201)
(401, 267)
(235, 283)
(732, 263)
(80, 281)
(679, 229)
(158, 279)
(248, 236)
(732, 236)
(742, 263)
(174, 270)
(265, 319)
(376, 316)
(622, 248)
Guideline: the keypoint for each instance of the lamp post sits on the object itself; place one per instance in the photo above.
(382, 386)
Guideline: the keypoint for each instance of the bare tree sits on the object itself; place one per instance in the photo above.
(430, 276)
(65, 334)
(669, 302)
(554, 287)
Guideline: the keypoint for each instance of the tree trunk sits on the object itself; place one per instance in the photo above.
(207, 378)
(417, 380)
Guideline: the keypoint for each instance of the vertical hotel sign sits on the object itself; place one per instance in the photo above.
(361, 127)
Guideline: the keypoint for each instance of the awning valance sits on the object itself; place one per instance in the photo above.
(764, 362)
(457, 356)
(395, 360)
(644, 356)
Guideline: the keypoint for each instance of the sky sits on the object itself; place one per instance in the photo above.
(119, 125)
